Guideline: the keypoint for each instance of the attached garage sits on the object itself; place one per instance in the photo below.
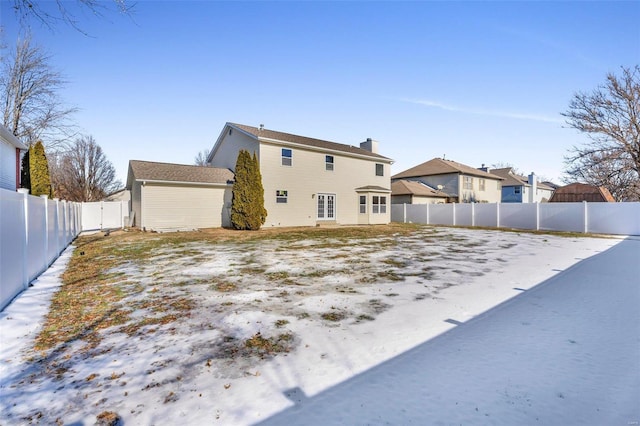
(171, 197)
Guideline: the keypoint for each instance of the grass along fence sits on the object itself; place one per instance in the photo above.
(33, 233)
(598, 218)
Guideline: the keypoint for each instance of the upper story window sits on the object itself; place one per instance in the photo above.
(467, 182)
(481, 184)
(517, 190)
(379, 169)
(287, 157)
(328, 161)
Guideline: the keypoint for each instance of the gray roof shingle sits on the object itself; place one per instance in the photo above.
(438, 166)
(303, 140)
(168, 172)
(512, 179)
(409, 187)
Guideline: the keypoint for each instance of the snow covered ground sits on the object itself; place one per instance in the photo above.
(446, 326)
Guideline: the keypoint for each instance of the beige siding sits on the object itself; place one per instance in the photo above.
(176, 207)
(371, 217)
(307, 177)
(226, 153)
(401, 199)
(136, 203)
(492, 191)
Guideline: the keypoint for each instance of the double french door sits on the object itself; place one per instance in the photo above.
(326, 207)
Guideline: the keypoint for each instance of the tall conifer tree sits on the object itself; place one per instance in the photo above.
(39, 171)
(247, 204)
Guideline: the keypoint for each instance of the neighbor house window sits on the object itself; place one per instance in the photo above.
(363, 204)
(467, 182)
(328, 161)
(286, 157)
(379, 204)
(481, 184)
(517, 190)
(379, 169)
(282, 196)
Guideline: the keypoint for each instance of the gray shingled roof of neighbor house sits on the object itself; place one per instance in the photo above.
(168, 172)
(409, 187)
(439, 166)
(267, 134)
(512, 179)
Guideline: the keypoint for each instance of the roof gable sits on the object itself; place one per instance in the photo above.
(266, 135)
(169, 172)
(439, 166)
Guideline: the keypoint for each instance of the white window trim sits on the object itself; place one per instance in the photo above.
(284, 158)
(282, 196)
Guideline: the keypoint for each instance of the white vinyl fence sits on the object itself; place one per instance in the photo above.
(33, 233)
(598, 218)
(104, 215)
(35, 230)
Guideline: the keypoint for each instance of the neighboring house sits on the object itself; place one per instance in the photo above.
(309, 182)
(169, 197)
(121, 195)
(578, 192)
(414, 192)
(520, 189)
(10, 149)
(461, 183)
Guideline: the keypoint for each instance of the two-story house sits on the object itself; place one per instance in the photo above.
(521, 189)
(10, 149)
(461, 183)
(309, 182)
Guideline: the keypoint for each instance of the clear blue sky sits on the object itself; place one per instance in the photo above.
(479, 82)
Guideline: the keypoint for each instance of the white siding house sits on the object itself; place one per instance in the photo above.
(309, 182)
(461, 183)
(169, 197)
(10, 147)
(521, 189)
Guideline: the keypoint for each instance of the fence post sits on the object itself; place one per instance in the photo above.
(537, 216)
(584, 215)
(25, 251)
(101, 214)
(453, 210)
(497, 215)
(45, 199)
(56, 227)
(428, 215)
(473, 214)
(404, 212)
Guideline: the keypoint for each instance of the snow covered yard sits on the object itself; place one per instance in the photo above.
(191, 329)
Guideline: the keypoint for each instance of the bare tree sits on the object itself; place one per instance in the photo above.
(201, 158)
(610, 116)
(50, 13)
(29, 87)
(83, 172)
